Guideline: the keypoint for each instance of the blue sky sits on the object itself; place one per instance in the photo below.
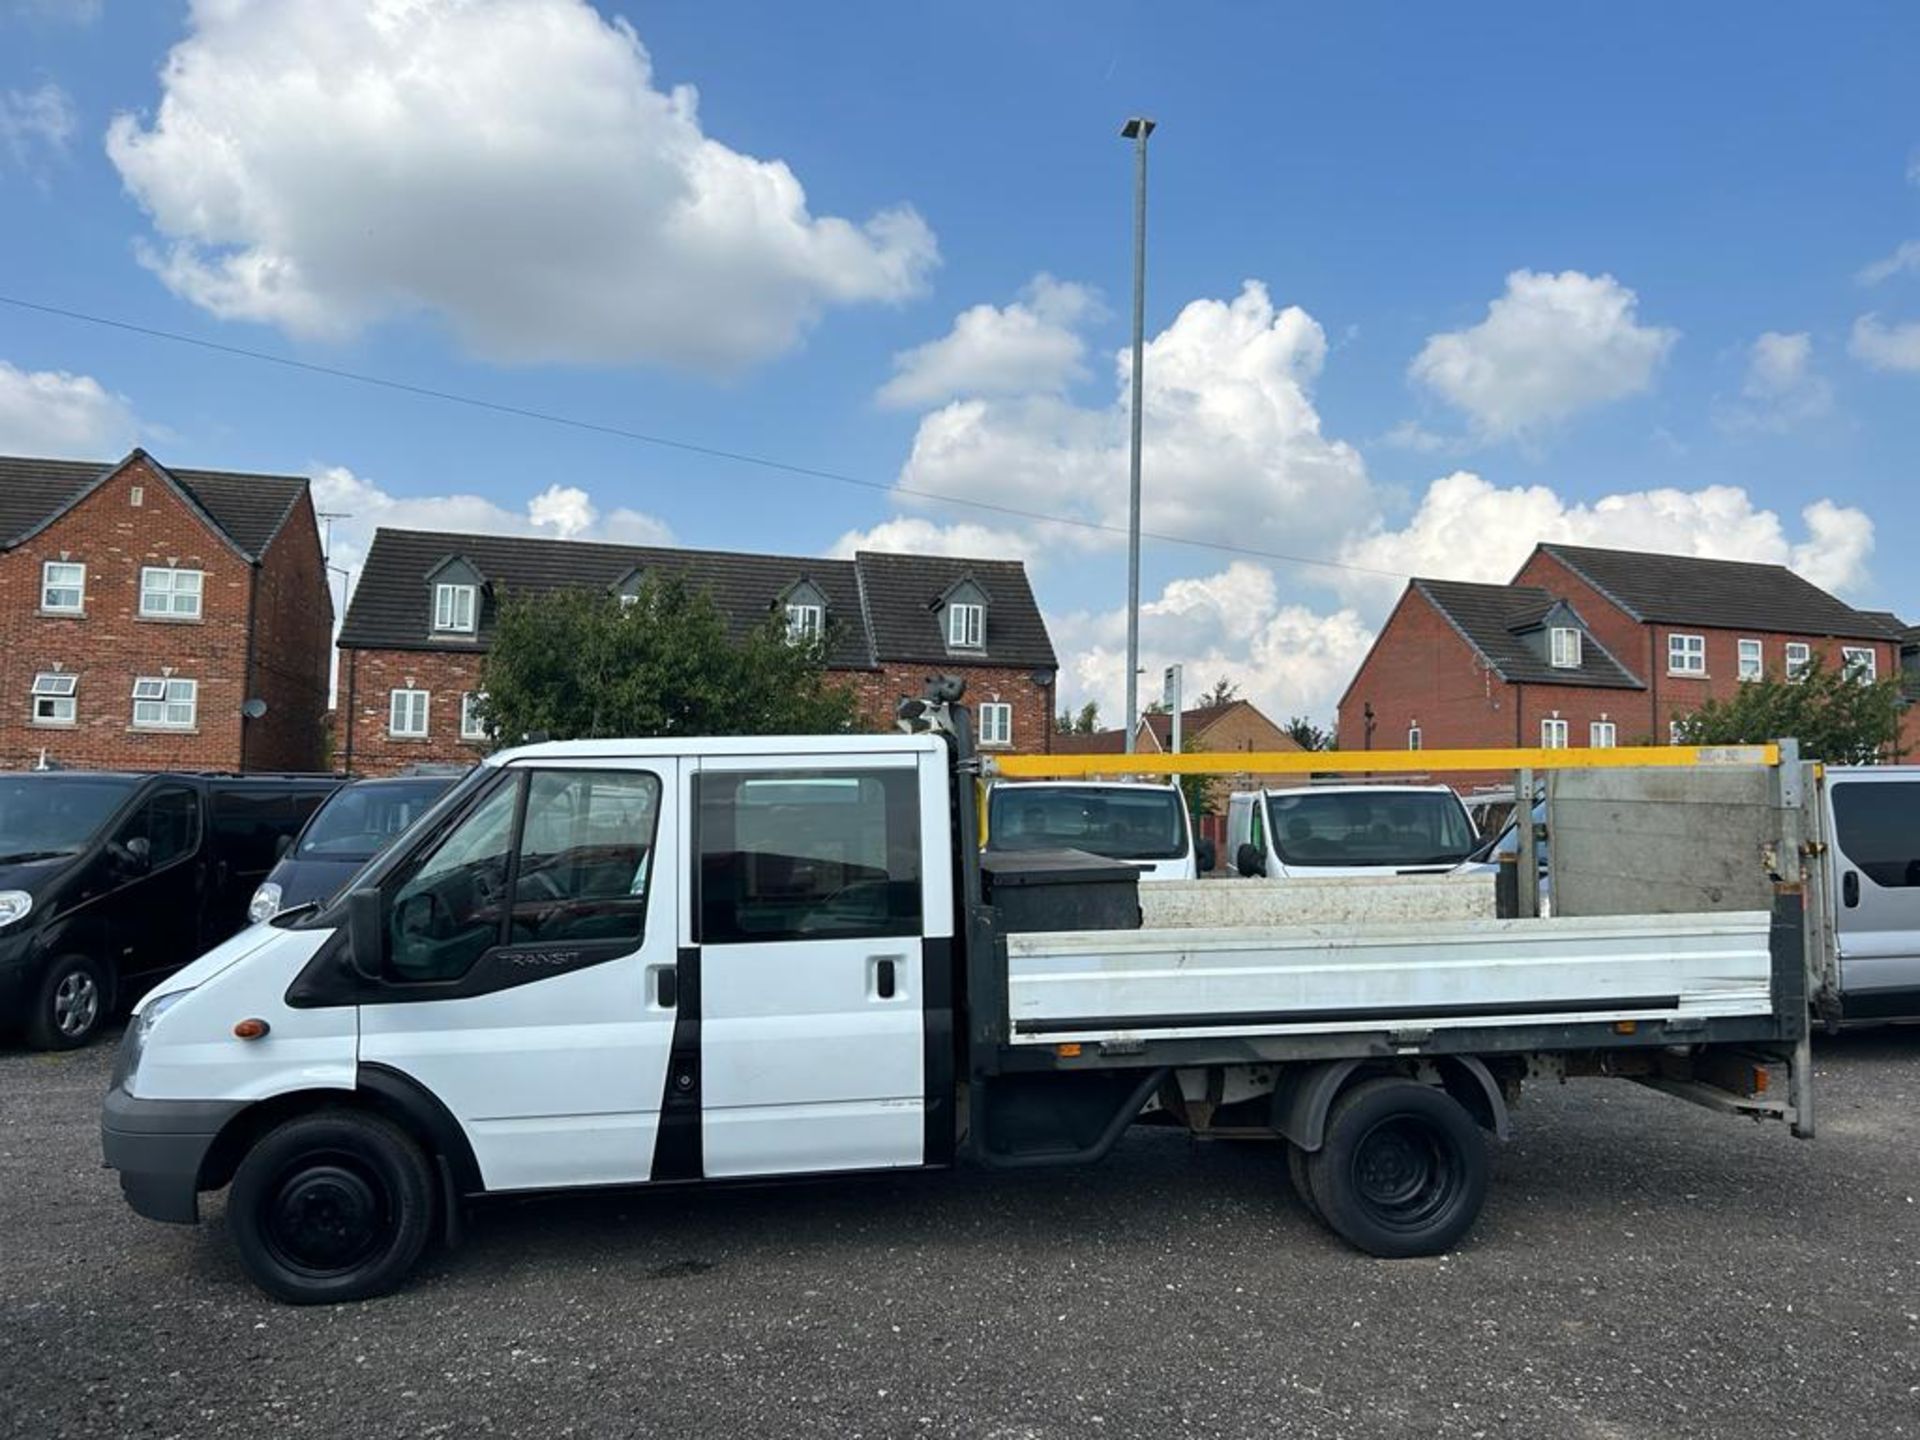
(1628, 274)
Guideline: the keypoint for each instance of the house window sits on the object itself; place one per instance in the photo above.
(407, 713)
(472, 725)
(1565, 649)
(1413, 737)
(1799, 659)
(1686, 654)
(170, 594)
(1603, 735)
(63, 587)
(453, 608)
(966, 626)
(996, 723)
(805, 622)
(1752, 660)
(1860, 663)
(53, 698)
(160, 703)
(1553, 734)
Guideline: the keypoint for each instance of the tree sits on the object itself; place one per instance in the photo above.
(1202, 792)
(578, 664)
(1836, 716)
(1224, 692)
(1084, 723)
(1309, 736)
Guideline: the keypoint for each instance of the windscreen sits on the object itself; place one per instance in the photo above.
(1391, 828)
(359, 821)
(43, 817)
(1121, 824)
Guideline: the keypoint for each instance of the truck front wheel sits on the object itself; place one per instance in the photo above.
(337, 1205)
(1402, 1170)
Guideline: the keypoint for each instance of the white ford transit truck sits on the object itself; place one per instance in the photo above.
(669, 962)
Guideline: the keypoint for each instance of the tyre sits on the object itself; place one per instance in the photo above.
(332, 1206)
(1403, 1170)
(70, 1005)
(1302, 1184)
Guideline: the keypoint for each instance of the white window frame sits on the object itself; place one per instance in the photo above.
(449, 600)
(1683, 650)
(55, 699)
(171, 590)
(471, 728)
(1602, 735)
(1753, 659)
(966, 625)
(404, 694)
(1860, 662)
(996, 723)
(1553, 734)
(48, 585)
(165, 702)
(805, 621)
(1413, 737)
(1799, 659)
(1564, 648)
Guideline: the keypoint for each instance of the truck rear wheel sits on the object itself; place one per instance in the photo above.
(1402, 1171)
(333, 1206)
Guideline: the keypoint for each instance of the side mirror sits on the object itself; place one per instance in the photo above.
(282, 846)
(365, 935)
(132, 855)
(1205, 855)
(1249, 861)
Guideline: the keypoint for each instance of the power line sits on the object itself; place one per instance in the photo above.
(687, 447)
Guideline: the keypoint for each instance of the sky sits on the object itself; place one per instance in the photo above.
(1425, 286)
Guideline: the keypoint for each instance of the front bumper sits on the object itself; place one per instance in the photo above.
(158, 1147)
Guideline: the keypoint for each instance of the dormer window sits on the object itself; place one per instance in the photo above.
(966, 625)
(804, 621)
(1564, 648)
(454, 607)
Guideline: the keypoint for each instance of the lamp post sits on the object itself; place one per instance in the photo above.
(1137, 129)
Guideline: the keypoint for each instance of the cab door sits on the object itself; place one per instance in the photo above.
(152, 887)
(528, 964)
(1875, 825)
(822, 954)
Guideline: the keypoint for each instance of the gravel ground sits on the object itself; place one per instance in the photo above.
(1642, 1269)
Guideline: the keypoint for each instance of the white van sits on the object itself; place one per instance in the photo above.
(1144, 824)
(1872, 814)
(1336, 830)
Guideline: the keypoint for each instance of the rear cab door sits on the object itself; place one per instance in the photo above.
(1874, 820)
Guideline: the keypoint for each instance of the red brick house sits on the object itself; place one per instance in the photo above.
(153, 618)
(1593, 647)
(423, 613)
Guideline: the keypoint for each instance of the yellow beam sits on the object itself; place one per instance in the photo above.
(1374, 762)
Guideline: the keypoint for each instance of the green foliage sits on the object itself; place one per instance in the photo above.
(1224, 692)
(1084, 723)
(578, 664)
(1834, 716)
(1309, 736)
(1202, 792)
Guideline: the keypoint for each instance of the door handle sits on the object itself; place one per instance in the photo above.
(886, 978)
(1850, 889)
(666, 985)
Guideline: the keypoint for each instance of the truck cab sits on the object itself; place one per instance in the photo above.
(1327, 831)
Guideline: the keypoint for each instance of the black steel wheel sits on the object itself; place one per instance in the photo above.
(337, 1205)
(1402, 1171)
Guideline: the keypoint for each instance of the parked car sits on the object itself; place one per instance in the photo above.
(356, 823)
(1332, 830)
(1872, 814)
(110, 882)
(1143, 824)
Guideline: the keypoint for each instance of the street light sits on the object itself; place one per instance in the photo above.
(1137, 129)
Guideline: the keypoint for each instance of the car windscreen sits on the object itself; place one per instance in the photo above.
(1121, 824)
(359, 821)
(1353, 828)
(43, 817)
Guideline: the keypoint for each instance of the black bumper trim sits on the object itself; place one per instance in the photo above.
(158, 1146)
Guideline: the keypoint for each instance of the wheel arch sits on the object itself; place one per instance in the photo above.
(1304, 1096)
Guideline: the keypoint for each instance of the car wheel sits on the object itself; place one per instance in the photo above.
(1403, 1170)
(332, 1206)
(71, 1004)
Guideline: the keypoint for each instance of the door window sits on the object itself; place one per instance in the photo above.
(169, 824)
(788, 855)
(448, 913)
(1879, 830)
(586, 851)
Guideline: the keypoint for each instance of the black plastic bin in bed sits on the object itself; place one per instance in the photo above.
(1060, 890)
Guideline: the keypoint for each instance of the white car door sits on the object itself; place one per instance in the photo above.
(531, 956)
(821, 917)
(1875, 824)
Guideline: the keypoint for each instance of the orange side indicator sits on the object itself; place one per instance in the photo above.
(1068, 1051)
(1625, 1027)
(251, 1029)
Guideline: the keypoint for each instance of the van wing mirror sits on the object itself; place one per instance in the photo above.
(366, 935)
(1249, 861)
(1205, 854)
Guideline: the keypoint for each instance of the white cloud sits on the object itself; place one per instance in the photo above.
(1030, 345)
(1904, 258)
(1550, 347)
(62, 416)
(35, 125)
(1781, 388)
(1886, 347)
(916, 535)
(507, 166)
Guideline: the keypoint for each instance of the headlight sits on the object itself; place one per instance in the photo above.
(135, 1043)
(14, 905)
(265, 904)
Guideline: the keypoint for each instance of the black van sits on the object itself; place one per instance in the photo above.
(358, 821)
(108, 882)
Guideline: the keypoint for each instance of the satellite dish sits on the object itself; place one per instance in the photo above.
(254, 708)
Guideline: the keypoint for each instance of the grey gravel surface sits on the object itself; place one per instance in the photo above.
(1642, 1269)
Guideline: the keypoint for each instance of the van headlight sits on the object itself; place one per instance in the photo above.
(14, 905)
(127, 1067)
(265, 903)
